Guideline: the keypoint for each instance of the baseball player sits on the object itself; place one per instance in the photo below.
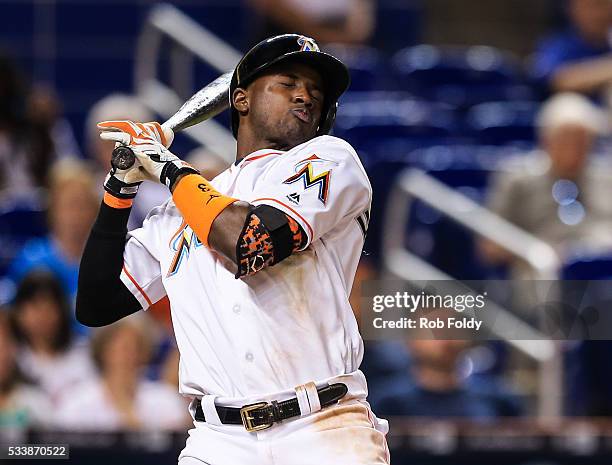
(258, 265)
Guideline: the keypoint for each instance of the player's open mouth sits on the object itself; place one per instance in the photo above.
(302, 114)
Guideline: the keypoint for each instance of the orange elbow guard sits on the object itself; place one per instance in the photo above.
(200, 203)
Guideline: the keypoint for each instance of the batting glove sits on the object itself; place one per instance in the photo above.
(124, 184)
(159, 163)
(131, 133)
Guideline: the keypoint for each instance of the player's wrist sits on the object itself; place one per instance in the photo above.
(119, 188)
(175, 170)
(119, 203)
(177, 181)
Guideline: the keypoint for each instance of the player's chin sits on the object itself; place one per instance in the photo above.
(297, 133)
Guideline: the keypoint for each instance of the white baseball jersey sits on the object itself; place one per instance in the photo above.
(287, 324)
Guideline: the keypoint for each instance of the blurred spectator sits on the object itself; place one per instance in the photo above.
(383, 361)
(120, 399)
(47, 352)
(111, 107)
(44, 109)
(22, 405)
(366, 272)
(120, 107)
(326, 21)
(26, 148)
(579, 59)
(169, 372)
(559, 195)
(73, 205)
(208, 163)
(384, 364)
(513, 25)
(435, 387)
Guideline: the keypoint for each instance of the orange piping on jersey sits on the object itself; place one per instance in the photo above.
(178, 231)
(144, 294)
(296, 213)
(247, 159)
(115, 202)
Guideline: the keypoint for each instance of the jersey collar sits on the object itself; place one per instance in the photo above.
(256, 156)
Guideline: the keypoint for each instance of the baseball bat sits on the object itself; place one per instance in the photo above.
(208, 102)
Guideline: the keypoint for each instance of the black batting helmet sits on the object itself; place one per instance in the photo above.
(335, 75)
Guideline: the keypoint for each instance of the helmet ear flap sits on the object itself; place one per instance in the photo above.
(327, 122)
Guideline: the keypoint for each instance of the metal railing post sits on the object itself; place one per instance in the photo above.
(541, 257)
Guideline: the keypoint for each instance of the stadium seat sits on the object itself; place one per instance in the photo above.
(399, 23)
(586, 290)
(462, 166)
(389, 125)
(587, 266)
(430, 234)
(366, 65)
(503, 123)
(462, 76)
(586, 282)
(433, 236)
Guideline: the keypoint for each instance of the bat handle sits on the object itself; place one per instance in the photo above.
(123, 158)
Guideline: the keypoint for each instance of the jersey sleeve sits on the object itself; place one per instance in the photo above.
(322, 186)
(141, 272)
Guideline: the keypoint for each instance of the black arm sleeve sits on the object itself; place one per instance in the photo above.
(102, 298)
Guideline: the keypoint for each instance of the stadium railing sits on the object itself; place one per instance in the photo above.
(414, 184)
(189, 42)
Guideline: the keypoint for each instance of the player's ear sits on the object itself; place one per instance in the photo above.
(240, 99)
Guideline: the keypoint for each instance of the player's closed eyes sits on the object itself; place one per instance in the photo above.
(314, 95)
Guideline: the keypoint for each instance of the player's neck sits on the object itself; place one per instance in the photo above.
(244, 149)
(248, 141)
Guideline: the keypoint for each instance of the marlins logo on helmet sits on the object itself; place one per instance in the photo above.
(308, 45)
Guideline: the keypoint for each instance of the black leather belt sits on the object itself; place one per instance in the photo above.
(262, 415)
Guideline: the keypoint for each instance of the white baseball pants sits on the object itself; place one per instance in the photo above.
(344, 434)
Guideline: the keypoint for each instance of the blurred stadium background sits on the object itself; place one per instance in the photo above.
(484, 127)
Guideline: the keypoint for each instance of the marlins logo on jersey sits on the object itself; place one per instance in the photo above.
(182, 242)
(305, 172)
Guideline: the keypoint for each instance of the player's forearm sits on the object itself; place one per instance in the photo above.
(215, 218)
(250, 238)
(226, 230)
(584, 76)
(101, 296)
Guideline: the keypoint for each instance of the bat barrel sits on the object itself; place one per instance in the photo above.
(204, 104)
(207, 103)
